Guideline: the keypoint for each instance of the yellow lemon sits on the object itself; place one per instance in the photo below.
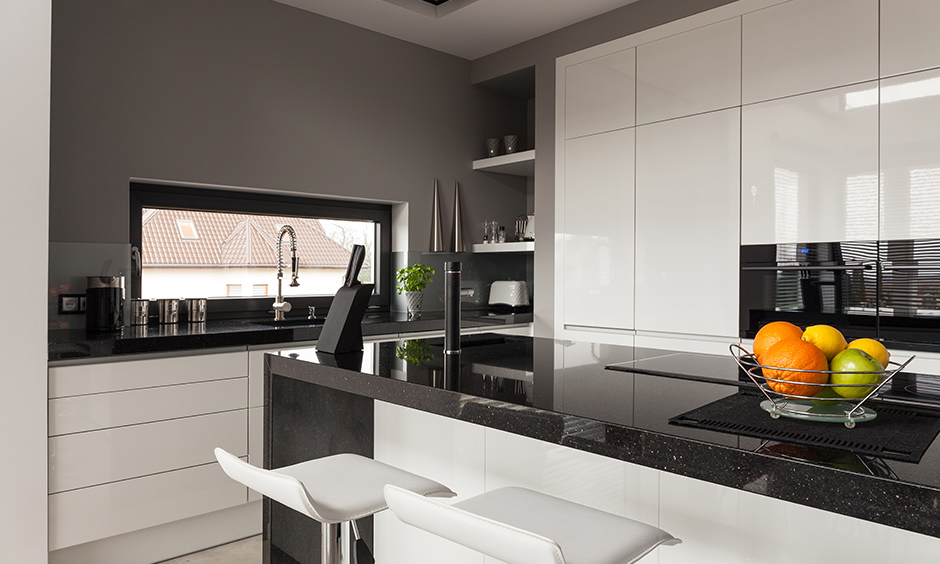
(829, 339)
(872, 347)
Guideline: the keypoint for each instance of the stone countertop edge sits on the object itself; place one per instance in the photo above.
(886, 501)
(66, 345)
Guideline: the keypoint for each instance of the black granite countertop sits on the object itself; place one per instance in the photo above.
(625, 402)
(67, 344)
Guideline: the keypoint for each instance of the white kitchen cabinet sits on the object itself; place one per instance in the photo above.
(603, 483)
(600, 94)
(130, 446)
(720, 525)
(689, 73)
(807, 45)
(910, 156)
(442, 449)
(97, 457)
(95, 378)
(909, 38)
(79, 516)
(809, 167)
(76, 414)
(687, 191)
(597, 231)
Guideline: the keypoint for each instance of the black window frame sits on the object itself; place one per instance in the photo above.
(147, 195)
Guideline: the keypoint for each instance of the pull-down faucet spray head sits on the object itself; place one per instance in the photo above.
(294, 261)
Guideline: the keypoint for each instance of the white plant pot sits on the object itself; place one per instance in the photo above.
(415, 299)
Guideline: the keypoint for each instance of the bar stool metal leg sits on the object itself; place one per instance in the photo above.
(329, 544)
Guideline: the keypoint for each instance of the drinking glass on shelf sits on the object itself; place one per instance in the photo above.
(494, 231)
(487, 236)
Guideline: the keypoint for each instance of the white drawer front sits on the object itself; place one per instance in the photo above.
(77, 414)
(133, 374)
(94, 513)
(98, 457)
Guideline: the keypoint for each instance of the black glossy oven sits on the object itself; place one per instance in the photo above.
(909, 291)
(880, 289)
(810, 283)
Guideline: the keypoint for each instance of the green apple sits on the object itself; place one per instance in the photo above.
(851, 366)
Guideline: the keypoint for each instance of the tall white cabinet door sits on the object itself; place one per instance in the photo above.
(600, 94)
(807, 45)
(687, 224)
(809, 169)
(598, 230)
(909, 38)
(910, 156)
(689, 73)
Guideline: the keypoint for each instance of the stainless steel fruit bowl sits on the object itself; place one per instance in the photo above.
(837, 409)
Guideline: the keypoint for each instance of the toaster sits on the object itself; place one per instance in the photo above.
(512, 293)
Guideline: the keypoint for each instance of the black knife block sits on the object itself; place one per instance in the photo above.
(342, 330)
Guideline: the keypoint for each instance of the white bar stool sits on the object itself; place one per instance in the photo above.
(520, 526)
(332, 490)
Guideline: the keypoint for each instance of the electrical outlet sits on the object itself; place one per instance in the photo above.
(71, 304)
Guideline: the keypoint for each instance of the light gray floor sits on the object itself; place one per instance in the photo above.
(247, 551)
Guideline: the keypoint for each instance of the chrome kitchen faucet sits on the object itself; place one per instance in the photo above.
(281, 306)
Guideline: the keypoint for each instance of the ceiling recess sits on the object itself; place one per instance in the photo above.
(433, 8)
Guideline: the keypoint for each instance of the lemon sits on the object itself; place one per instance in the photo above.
(829, 339)
(872, 347)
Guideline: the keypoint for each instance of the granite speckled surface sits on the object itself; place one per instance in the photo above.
(68, 344)
(517, 384)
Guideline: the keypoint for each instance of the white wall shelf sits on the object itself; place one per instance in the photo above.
(512, 247)
(516, 164)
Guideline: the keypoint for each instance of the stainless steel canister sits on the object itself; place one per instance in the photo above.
(140, 311)
(168, 310)
(196, 310)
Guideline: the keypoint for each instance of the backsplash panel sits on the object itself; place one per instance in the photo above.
(69, 266)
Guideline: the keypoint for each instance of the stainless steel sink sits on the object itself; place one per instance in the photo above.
(300, 322)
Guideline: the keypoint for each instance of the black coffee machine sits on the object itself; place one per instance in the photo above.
(104, 303)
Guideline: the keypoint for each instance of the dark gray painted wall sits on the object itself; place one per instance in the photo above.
(253, 93)
(541, 53)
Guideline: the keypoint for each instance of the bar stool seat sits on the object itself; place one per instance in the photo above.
(332, 490)
(520, 526)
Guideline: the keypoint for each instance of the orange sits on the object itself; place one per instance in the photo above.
(773, 332)
(795, 354)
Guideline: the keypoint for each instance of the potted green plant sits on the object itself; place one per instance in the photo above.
(412, 281)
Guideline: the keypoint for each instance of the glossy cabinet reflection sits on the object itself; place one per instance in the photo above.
(692, 72)
(909, 38)
(910, 156)
(720, 525)
(439, 448)
(598, 230)
(687, 225)
(600, 94)
(807, 45)
(809, 168)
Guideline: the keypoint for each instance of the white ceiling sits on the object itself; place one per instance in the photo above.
(465, 28)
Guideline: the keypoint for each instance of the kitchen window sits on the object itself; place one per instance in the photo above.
(222, 245)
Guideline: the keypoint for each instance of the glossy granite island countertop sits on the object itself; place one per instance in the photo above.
(633, 404)
(71, 344)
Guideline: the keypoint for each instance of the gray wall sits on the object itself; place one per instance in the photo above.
(254, 93)
(541, 53)
(25, 33)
